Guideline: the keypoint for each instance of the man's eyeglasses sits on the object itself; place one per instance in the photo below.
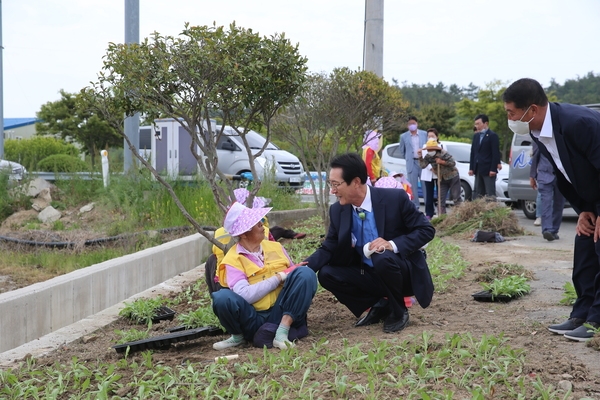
(334, 184)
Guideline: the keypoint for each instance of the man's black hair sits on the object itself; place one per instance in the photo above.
(525, 92)
(484, 118)
(352, 166)
(413, 118)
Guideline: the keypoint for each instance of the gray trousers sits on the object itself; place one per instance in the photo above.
(552, 205)
(452, 186)
(414, 176)
(485, 186)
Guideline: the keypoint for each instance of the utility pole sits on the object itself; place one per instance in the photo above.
(373, 42)
(132, 124)
(1, 88)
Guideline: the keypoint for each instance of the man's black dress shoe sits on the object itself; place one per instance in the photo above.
(395, 324)
(377, 313)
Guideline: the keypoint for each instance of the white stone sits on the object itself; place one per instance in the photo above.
(86, 208)
(49, 215)
(565, 385)
(37, 185)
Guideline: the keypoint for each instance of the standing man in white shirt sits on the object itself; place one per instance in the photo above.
(410, 143)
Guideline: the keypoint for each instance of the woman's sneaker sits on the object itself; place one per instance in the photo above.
(233, 341)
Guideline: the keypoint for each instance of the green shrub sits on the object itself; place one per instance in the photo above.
(62, 163)
(30, 152)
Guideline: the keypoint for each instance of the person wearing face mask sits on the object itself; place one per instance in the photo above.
(411, 142)
(569, 137)
(485, 158)
(429, 176)
(449, 179)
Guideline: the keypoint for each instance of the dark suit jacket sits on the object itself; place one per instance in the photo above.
(485, 156)
(397, 219)
(577, 133)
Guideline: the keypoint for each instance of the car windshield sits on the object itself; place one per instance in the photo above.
(255, 140)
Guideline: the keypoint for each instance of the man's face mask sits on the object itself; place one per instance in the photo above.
(520, 127)
(412, 127)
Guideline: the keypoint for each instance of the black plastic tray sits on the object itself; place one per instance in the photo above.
(164, 342)
(163, 313)
(485, 295)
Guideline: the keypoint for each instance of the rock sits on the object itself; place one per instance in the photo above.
(153, 234)
(37, 185)
(49, 215)
(89, 338)
(566, 376)
(566, 386)
(44, 194)
(86, 208)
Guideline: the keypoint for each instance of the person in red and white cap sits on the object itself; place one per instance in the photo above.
(265, 285)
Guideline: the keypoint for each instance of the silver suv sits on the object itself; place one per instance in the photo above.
(519, 162)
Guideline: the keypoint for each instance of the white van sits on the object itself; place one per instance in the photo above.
(170, 145)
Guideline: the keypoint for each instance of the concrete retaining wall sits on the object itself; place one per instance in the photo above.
(28, 313)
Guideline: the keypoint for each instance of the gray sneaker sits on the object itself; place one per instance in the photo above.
(583, 333)
(567, 326)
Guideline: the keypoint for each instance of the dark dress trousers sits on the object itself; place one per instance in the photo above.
(393, 275)
(576, 130)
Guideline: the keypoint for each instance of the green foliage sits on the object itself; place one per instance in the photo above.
(512, 286)
(569, 295)
(489, 102)
(71, 118)
(301, 249)
(30, 152)
(203, 316)
(445, 264)
(62, 163)
(424, 95)
(232, 73)
(583, 90)
(142, 311)
(132, 335)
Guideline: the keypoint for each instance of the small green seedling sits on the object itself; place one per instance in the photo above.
(569, 296)
(512, 286)
(142, 311)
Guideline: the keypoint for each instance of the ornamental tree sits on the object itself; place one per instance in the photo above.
(205, 73)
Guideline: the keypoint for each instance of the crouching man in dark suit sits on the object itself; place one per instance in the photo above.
(394, 230)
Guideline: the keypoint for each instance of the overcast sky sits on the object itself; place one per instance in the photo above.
(58, 44)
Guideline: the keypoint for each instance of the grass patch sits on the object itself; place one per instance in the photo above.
(455, 366)
(445, 264)
(26, 268)
(479, 214)
(302, 248)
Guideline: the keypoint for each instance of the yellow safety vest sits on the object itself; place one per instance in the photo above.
(275, 261)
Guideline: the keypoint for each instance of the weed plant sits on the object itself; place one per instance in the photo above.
(142, 311)
(569, 295)
(511, 286)
(132, 335)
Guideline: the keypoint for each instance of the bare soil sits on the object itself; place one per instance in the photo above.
(522, 321)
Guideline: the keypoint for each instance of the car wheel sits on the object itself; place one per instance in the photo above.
(465, 191)
(529, 208)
